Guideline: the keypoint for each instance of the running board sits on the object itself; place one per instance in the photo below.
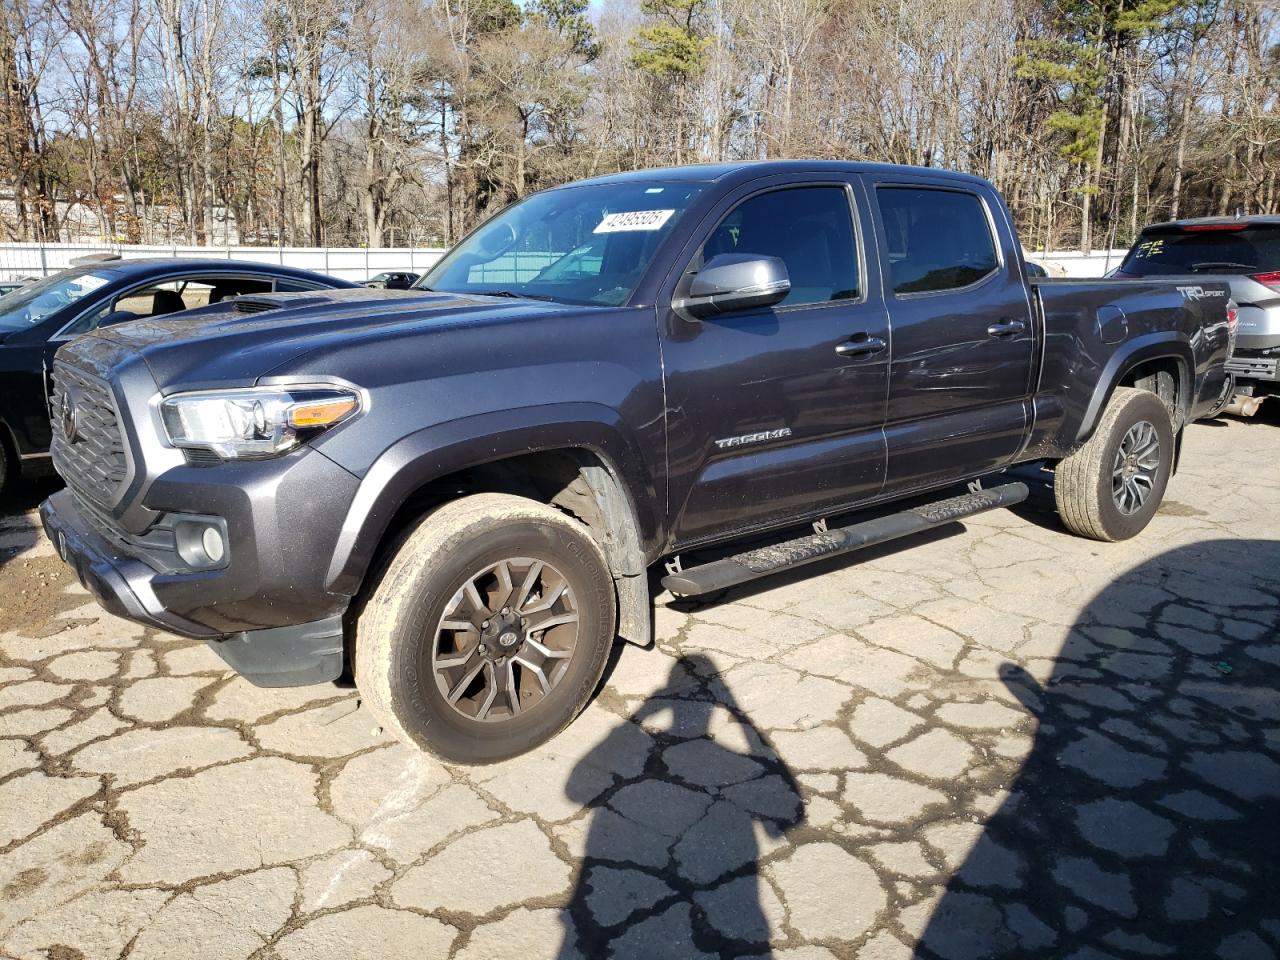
(743, 567)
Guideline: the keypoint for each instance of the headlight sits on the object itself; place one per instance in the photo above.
(254, 423)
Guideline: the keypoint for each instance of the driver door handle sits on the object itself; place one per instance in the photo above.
(1007, 327)
(860, 346)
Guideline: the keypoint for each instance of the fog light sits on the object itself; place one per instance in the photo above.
(201, 542)
(214, 548)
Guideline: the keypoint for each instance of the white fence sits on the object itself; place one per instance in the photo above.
(1076, 264)
(19, 260)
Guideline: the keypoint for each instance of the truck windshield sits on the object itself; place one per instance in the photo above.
(28, 305)
(1223, 248)
(587, 245)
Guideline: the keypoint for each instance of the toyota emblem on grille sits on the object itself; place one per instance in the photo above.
(70, 418)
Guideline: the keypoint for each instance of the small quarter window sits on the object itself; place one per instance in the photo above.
(937, 239)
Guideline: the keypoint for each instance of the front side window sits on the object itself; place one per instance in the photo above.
(937, 239)
(590, 244)
(810, 229)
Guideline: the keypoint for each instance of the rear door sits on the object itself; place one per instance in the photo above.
(963, 330)
(766, 420)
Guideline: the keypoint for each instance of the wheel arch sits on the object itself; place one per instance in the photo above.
(1145, 358)
(585, 468)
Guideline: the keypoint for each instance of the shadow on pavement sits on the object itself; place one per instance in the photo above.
(671, 860)
(19, 527)
(1146, 820)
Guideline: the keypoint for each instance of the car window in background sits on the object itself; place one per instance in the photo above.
(810, 229)
(29, 305)
(937, 239)
(289, 286)
(589, 244)
(1204, 248)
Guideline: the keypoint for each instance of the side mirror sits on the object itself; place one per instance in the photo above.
(736, 281)
(496, 239)
(118, 316)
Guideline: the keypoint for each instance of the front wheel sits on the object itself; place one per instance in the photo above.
(489, 629)
(1110, 488)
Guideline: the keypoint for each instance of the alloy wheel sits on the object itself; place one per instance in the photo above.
(505, 639)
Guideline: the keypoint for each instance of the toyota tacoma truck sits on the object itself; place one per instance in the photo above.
(459, 490)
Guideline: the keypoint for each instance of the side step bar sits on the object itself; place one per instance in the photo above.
(753, 564)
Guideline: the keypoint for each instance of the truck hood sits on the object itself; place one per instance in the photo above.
(247, 338)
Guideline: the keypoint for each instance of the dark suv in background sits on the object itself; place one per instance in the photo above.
(1245, 252)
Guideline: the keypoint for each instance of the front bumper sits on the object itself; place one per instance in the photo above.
(264, 651)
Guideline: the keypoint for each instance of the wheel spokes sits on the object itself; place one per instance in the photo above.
(473, 664)
(482, 670)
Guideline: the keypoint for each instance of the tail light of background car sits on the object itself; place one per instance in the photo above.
(1270, 279)
(1212, 227)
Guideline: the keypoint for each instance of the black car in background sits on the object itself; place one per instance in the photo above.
(40, 316)
(8, 286)
(392, 280)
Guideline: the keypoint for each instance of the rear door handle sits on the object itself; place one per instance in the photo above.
(1006, 328)
(860, 346)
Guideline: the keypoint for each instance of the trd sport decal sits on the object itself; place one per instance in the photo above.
(1199, 293)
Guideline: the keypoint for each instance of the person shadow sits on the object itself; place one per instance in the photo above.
(671, 861)
(1145, 820)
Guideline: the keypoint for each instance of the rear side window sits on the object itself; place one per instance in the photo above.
(937, 239)
(810, 229)
(1206, 248)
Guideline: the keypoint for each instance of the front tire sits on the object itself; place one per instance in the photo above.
(488, 631)
(1111, 487)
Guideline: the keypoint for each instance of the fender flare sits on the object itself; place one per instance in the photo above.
(442, 449)
(1151, 346)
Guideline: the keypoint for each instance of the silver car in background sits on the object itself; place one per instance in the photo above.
(1245, 252)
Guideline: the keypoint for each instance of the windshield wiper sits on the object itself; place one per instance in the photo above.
(512, 294)
(1221, 265)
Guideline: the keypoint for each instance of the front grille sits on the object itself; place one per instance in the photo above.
(92, 460)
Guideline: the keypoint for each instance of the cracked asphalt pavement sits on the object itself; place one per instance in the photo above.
(1002, 741)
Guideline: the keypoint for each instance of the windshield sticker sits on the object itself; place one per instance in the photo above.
(633, 220)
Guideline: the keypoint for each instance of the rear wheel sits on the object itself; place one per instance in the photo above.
(489, 629)
(1111, 487)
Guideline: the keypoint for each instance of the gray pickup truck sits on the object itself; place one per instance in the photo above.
(461, 489)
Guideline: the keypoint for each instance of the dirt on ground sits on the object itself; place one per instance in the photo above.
(32, 578)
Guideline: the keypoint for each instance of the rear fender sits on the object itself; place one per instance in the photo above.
(1151, 346)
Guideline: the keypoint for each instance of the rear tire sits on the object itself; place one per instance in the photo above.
(488, 631)
(1111, 487)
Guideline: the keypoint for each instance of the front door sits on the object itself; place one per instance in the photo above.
(960, 380)
(767, 420)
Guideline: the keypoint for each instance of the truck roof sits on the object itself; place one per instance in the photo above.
(752, 169)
